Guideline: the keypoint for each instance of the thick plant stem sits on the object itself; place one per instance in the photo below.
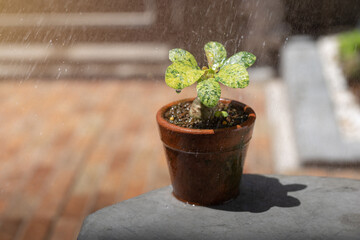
(200, 111)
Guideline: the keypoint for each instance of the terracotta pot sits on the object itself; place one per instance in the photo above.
(205, 165)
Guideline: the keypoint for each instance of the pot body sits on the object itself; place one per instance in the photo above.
(206, 165)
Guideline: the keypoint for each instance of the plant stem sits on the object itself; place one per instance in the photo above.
(200, 111)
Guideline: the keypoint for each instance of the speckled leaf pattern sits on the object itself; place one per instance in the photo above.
(233, 75)
(179, 75)
(215, 54)
(243, 58)
(209, 92)
(178, 55)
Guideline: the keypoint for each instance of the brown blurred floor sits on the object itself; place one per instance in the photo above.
(69, 148)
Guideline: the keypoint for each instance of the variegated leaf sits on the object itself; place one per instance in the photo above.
(243, 58)
(209, 92)
(215, 54)
(233, 75)
(179, 75)
(178, 55)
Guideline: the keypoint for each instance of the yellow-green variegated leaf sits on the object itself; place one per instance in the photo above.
(179, 75)
(178, 55)
(215, 54)
(243, 58)
(233, 75)
(209, 92)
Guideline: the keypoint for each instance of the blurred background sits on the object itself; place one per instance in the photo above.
(81, 81)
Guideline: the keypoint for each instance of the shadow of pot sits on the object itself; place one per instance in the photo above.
(206, 165)
(261, 193)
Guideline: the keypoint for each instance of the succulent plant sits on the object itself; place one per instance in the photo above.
(184, 71)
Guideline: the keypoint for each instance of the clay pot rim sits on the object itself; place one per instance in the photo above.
(161, 120)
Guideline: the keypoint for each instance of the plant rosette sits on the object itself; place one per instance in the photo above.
(206, 165)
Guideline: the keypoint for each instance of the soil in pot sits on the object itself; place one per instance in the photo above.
(178, 114)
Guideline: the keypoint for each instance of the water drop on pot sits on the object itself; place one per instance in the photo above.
(178, 90)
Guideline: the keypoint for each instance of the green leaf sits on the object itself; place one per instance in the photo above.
(233, 75)
(243, 58)
(215, 54)
(209, 92)
(179, 75)
(224, 114)
(217, 114)
(221, 114)
(178, 55)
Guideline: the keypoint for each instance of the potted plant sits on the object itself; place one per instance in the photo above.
(206, 138)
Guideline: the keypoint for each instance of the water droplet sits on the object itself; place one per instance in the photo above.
(178, 90)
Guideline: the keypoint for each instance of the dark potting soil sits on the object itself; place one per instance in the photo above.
(179, 115)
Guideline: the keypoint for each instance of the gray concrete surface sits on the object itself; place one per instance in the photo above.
(316, 132)
(269, 207)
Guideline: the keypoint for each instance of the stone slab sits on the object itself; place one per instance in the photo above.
(317, 135)
(269, 207)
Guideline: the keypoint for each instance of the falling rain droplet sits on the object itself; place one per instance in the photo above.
(178, 90)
